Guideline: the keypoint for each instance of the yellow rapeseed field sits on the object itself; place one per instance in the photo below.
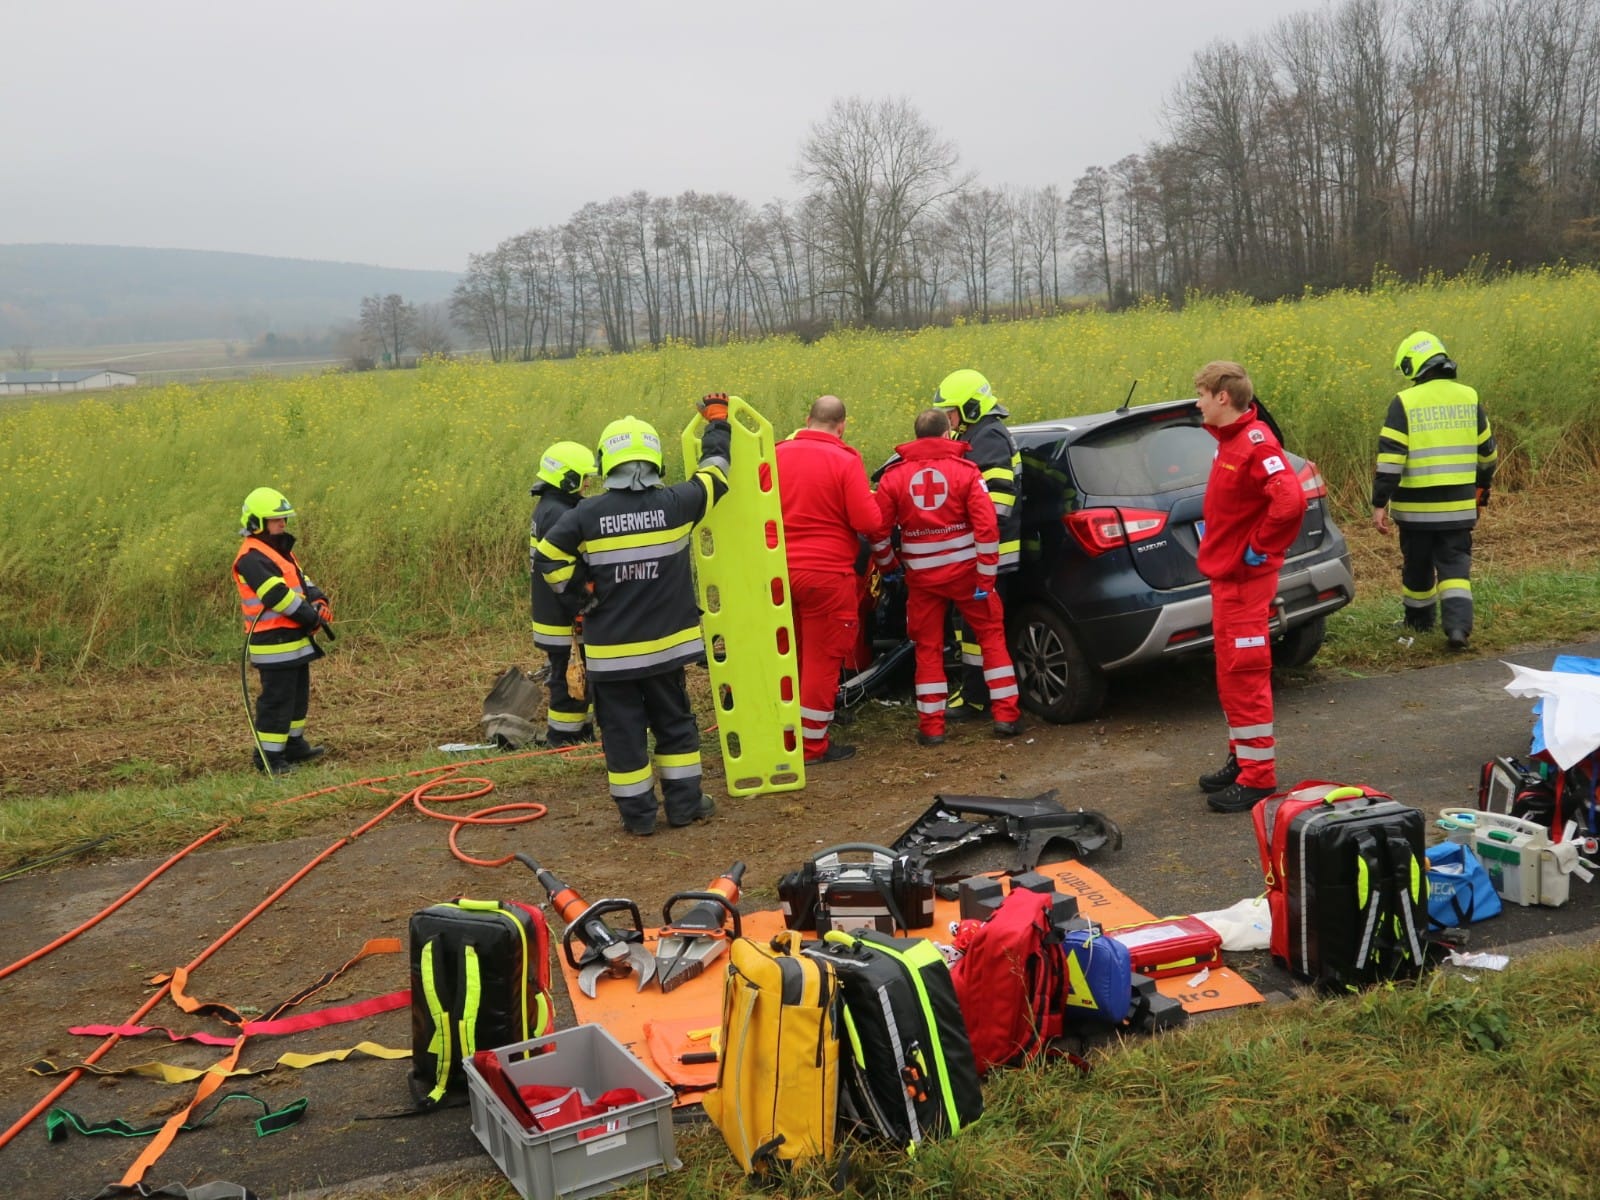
(119, 513)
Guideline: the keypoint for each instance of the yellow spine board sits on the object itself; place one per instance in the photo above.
(742, 579)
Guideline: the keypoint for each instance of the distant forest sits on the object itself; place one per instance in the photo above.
(1403, 135)
(57, 295)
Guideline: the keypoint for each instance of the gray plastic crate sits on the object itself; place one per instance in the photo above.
(544, 1165)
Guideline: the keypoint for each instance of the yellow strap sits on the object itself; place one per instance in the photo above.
(439, 1045)
(469, 1006)
(167, 1073)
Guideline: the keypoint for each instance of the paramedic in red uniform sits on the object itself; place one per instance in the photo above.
(950, 548)
(1253, 509)
(826, 504)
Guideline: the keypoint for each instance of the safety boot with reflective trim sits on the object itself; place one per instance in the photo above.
(1225, 776)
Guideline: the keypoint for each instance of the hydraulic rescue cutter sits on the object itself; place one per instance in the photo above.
(689, 942)
(607, 952)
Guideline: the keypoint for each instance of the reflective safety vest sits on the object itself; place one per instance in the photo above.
(277, 638)
(994, 450)
(1434, 451)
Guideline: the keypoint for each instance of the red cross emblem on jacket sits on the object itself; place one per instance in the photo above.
(928, 488)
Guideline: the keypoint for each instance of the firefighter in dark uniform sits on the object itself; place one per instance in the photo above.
(978, 418)
(563, 470)
(282, 609)
(642, 626)
(1436, 459)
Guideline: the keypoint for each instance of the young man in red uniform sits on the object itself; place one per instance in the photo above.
(1253, 509)
(826, 503)
(949, 545)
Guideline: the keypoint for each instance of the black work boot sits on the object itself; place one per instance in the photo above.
(297, 749)
(1007, 729)
(929, 739)
(1456, 639)
(708, 806)
(1238, 798)
(836, 752)
(1225, 776)
(556, 738)
(274, 764)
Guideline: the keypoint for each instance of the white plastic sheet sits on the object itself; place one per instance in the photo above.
(1570, 715)
(1246, 925)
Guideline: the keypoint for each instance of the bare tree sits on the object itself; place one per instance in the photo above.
(977, 223)
(390, 323)
(872, 169)
(433, 334)
(22, 357)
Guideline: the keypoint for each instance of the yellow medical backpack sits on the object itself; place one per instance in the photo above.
(777, 1093)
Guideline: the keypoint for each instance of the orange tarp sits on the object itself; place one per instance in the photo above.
(696, 1006)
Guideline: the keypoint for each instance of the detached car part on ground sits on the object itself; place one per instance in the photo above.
(1108, 580)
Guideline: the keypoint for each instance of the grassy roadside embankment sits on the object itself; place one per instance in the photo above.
(1456, 1087)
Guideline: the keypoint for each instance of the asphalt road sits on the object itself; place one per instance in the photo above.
(1420, 735)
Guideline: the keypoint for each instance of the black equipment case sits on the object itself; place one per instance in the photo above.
(879, 889)
(480, 979)
(1357, 892)
(905, 1057)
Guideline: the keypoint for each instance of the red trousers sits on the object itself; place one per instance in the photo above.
(927, 603)
(1240, 610)
(826, 622)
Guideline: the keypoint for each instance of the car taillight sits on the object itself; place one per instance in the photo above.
(1101, 529)
(1311, 485)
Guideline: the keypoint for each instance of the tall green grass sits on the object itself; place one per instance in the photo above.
(119, 514)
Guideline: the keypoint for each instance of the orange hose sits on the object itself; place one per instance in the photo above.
(413, 796)
(112, 907)
(369, 783)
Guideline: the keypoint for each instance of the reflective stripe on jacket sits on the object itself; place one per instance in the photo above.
(270, 585)
(1435, 450)
(634, 547)
(946, 519)
(994, 450)
(552, 623)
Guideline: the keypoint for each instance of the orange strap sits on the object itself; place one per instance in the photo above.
(157, 1145)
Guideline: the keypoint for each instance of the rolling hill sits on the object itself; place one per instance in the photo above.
(67, 295)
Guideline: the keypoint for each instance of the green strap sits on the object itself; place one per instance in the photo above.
(59, 1120)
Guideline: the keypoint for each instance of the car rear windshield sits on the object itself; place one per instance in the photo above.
(1143, 458)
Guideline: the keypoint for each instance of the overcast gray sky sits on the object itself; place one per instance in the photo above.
(411, 133)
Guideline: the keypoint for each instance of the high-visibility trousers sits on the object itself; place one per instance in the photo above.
(1436, 577)
(827, 622)
(626, 710)
(282, 705)
(1240, 611)
(927, 604)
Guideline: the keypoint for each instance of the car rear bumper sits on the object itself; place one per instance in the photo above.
(1184, 626)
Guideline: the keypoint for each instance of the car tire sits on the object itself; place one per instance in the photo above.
(1054, 677)
(1300, 645)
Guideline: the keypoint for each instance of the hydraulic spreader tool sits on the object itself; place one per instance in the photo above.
(612, 953)
(689, 942)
